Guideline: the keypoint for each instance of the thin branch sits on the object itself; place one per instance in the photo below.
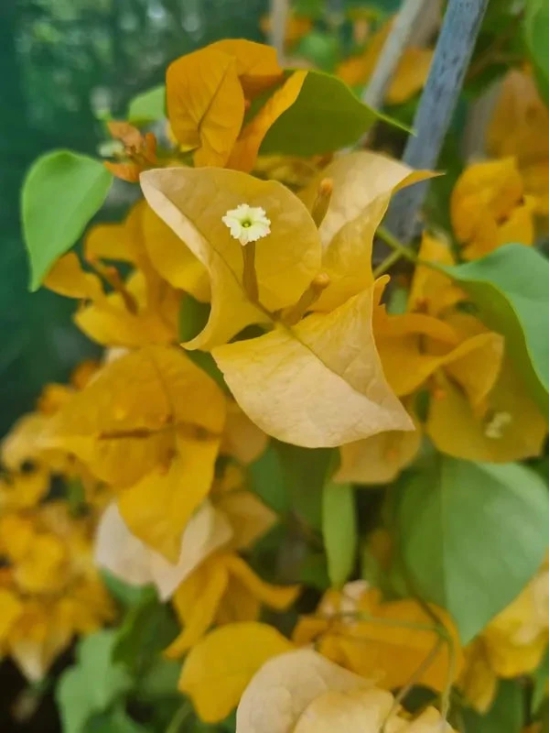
(453, 52)
(392, 51)
(278, 16)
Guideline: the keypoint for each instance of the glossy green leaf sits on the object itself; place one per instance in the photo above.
(148, 106)
(327, 116)
(536, 21)
(93, 684)
(505, 716)
(472, 535)
(510, 289)
(61, 193)
(339, 531)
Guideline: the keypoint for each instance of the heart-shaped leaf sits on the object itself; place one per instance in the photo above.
(61, 193)
(472, 535)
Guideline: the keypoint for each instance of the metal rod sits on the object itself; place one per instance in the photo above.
(392, 51)
(277, 32)
(452, 56)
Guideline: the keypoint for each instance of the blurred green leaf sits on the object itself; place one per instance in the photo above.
(268, 480)
(339, 531)
(93, 684)
(160, 680)
(540, 685)
(304, 473)
(148, 106)
(472, 535)
(510, 289)
(314, 571)
(327, 116)
(61, 193)
(321, 49)
(505, 716)
(193, 316)
(127, 595)
(147, 629)
(114, 721)
(536, 35)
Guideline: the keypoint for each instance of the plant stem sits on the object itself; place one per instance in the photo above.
(393, 243)
(180, 717)
(393, 49)
(250, 282)
(454, 49)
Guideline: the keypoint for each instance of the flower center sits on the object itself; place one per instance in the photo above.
(494, 426)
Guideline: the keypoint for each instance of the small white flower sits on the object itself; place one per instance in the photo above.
(247, 223)
(495, 426)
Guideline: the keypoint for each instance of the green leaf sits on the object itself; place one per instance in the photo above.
(472, 535)
(193, 316)
(304, 472)
(321, 49)
(327, 116)
(505, 716)
(93, 684)
(114, 721)
(314, 571)
(146, 630)
(540, 685)
(268, 480)
(61, 193)
(127, 595)
(148, 106)
(339, 531)
(536, 21)
(160, 681)
(510, 289)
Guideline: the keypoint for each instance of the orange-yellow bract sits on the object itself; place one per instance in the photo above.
(354, 627)
(208, 92)
(193, 202)
(479, 408)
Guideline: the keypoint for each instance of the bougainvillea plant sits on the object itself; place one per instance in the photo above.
(304, 487)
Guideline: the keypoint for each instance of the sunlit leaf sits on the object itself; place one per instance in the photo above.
(148, 106)
(326, 116)
(61, 193)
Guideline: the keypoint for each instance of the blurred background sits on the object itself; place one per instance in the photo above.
(65, 63)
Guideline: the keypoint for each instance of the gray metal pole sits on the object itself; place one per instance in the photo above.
(454, 49)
